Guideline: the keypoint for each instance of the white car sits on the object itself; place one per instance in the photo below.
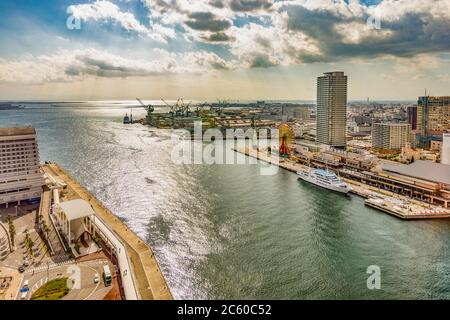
(96, 278)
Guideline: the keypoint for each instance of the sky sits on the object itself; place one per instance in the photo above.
(221, 49)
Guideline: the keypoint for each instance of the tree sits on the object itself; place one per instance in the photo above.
(29, 244)
(12, 230)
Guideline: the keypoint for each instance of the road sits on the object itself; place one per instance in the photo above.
(84, 272)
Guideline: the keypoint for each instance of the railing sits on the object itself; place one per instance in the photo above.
(56, 230)
(110, 242)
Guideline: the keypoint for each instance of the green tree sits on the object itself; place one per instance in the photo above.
(29, 243)
(12, 229)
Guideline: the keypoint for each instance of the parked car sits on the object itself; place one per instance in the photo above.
(96, 278)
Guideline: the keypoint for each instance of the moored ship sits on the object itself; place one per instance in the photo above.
(325, 179)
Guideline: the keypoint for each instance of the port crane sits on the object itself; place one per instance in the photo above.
(199, 109)
(149, 108)
(218, 107)
(179, 109)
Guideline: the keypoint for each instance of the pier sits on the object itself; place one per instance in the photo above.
(143, 279)
(388, 202)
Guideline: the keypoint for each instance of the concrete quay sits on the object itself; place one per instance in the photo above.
(145, 273)
(397, 205)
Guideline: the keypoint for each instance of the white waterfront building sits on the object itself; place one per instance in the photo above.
(20, 175)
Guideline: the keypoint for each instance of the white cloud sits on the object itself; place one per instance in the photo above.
(107, 11)
(297, 30)
(68, 65)
(269, 33)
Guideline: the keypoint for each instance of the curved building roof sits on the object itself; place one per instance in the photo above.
(420, 169)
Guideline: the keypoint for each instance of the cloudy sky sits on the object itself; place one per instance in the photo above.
(221, 49)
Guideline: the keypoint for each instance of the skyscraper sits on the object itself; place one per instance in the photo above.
(433, 118)
(332, 109)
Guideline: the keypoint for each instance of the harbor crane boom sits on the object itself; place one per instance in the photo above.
(149, 108)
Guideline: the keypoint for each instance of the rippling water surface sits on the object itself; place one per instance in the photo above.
(225, 231)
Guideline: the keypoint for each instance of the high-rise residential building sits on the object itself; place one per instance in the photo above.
(390, 136)
(412, 116)
(332, 109)
(20, 174)
(433, 118)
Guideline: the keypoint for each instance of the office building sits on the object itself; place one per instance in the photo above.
(433, 118)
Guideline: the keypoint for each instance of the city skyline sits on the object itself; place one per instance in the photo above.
(209, 50)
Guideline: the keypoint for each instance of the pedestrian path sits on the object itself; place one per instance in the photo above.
(51, 266)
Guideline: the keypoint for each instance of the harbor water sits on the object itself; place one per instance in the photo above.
(228, 232)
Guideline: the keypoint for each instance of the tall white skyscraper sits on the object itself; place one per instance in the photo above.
(332, 109)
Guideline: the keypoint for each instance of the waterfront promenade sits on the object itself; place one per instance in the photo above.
(144, 273)
(397, 205)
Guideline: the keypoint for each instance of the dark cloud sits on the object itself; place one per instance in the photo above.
(217, 37)
(206, 21)
(264, 42)
(409, 35)
(249, 5)
(217, 3)
(87, 65)
(261, 61)
(219, 65)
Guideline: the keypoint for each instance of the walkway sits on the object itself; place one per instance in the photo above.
(122, 259)
(57, 247)
(149, 280)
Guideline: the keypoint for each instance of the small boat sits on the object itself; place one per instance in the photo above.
(325, 179)
(126, 119)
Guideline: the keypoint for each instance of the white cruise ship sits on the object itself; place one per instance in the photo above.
(325, 179)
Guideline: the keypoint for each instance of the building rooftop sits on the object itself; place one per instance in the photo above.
(421, 169)
(392, 124)
(17, 131)
(76, 209)
(334, 73)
